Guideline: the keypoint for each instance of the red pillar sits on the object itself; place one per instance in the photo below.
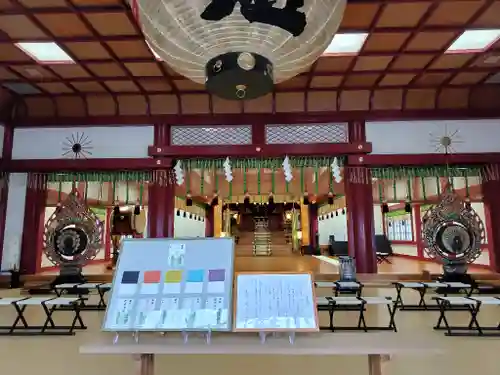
(417, 235)
(34, 214)
(161, 217)
(359, 199)
(360, 227)
(491, 200)
(8, 138)
(161, 199)
(209, 221)
(107, 234)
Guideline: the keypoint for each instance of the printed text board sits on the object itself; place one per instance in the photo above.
(167, 284)
(275, 302)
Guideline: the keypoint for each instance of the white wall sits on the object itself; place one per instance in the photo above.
(146, 227)
(479, 208)
(378, 219)
(105, 142)
(188, 227)
(411, 250)
(408, 249)
(14, 222)
(422, 137)
(405, 249)
(336, 225)
(183, 227)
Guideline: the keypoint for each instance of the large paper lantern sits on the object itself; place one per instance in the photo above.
(239, 48)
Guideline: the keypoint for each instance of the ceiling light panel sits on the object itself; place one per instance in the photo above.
(347, 43)
(475, 40)
(45, 52)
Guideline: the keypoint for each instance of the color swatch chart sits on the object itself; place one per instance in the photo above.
(170, 284)
(275, 302)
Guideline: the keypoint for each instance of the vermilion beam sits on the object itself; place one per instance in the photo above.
(58, 165)
(248, 118)
(424, 159)
(263, 150)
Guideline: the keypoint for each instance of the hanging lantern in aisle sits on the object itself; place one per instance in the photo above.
(239, 48)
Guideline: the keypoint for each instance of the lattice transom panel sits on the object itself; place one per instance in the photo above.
(310, 133)
(211, 135)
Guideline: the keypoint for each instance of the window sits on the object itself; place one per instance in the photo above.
(398, 226)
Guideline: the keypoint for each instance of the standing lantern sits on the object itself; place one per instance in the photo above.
(239, 48)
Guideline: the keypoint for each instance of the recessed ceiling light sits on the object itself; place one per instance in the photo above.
(346, 43)
(157, 57)
(475, 40)
(45, 52)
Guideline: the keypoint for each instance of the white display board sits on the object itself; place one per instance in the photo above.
(166, 284)
(275, 302)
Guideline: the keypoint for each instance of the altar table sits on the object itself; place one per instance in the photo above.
(374, 346)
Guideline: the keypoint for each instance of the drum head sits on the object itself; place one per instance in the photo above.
(140, 222)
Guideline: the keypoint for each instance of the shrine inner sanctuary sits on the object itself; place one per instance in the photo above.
(221, 185)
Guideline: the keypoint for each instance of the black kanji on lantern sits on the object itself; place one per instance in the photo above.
(288, 18)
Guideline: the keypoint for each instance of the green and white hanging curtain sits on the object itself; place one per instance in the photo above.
(296, 162)
(99, 176)
(100, 188)
(278, 176)
(435, 171)
(420, 183)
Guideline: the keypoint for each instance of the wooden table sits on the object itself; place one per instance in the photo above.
(373, 346)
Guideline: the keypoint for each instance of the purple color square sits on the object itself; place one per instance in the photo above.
(216, 275)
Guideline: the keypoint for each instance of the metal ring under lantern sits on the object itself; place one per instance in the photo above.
(226, 43)
(73, 234)
(452, 232)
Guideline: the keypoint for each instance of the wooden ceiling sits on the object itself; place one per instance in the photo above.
(403, 61)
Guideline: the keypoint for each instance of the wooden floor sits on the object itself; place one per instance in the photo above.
(311, 264)
(58, 356)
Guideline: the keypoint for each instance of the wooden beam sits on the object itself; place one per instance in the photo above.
(263, 150)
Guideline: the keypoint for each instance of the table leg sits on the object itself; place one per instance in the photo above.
(399, 297)
(374, 364)
(361, 318)
(422, 292)
(102, 302)
(145, 364)
(360, 291)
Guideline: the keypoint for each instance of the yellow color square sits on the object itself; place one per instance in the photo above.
(173, 277)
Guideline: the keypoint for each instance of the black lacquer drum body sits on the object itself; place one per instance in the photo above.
(239, 76)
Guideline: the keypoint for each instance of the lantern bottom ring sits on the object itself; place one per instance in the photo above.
(229, 79)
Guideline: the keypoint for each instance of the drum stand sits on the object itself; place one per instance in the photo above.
(116, 240)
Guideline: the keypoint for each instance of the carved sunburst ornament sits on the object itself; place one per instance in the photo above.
(444, 143)
(77, 146)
